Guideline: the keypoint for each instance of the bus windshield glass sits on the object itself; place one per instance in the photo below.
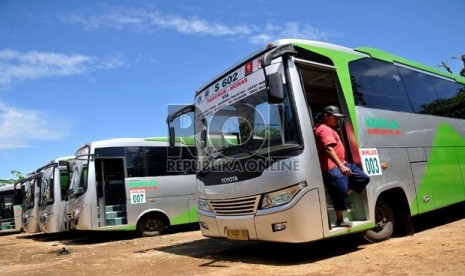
(28, 189)
(236, 120)
(78, 184)
(46, 186)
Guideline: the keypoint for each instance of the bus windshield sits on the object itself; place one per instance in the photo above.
(28, 191)
(238, 122)
(46, 187)
(78, 184)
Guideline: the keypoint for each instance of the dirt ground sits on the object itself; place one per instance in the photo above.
(436, 248)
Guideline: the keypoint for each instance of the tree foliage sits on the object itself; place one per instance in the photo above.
(452, 107)
(17, 176)
(462, 72)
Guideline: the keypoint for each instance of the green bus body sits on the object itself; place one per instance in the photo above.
(443, 175)
(405, 126)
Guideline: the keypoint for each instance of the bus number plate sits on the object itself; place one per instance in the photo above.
(237, 234)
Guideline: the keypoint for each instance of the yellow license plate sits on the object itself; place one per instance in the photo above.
(234, 234)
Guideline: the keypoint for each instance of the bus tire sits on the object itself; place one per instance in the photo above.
(384, 219)
(151, 225)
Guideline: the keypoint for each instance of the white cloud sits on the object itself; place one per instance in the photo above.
(19, 127)
(289, 30)
(148, 21)
(18, 66)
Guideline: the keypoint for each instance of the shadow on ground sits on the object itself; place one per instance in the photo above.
(96, 237)
(282, 254)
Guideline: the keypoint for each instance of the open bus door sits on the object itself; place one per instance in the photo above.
(111, 192)
(322, 89)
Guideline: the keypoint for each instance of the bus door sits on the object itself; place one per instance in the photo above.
(322, 89)
(111, 192)
(7, 219)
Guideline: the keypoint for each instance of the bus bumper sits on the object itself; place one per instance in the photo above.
(299, 221)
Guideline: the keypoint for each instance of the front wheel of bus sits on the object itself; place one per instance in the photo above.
(384, 219)
(151, 225)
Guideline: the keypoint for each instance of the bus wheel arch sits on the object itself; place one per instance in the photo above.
(392, 215)
(152, 224)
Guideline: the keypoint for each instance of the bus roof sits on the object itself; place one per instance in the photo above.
(359, 51)
(55, 162)
(7, 187)
(131, 142)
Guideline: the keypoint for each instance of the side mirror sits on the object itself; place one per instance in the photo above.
(171, 117)
(80, 191)
(203, 137)
(69, 194)
(275, 88)
(69, 166)
(274, 81)
(172, 135)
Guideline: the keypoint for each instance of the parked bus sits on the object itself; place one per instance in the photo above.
(404, 124)
(10, 208)
(30, 213)
(54, 184)
(127, 184)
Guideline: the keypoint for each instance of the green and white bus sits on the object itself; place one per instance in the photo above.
(10, 208)
(54, 184)
(128, 184)
(30, 213)
(405, 126)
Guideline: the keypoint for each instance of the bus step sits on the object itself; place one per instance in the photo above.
(332, 214)
(115, 214)
(115, 208)
(7, 225)
(354, 224)
(116, 221)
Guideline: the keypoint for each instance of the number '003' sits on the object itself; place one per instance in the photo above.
(372, 165)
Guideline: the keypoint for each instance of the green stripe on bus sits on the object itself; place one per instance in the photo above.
(185, 217)
(188, 141)
(443, 181)
(125, 227)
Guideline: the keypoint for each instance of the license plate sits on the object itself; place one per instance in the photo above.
(233, 234)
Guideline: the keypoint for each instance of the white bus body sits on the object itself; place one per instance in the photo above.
(54, 181)
(125, 184)
(30, 213)
(10, 208)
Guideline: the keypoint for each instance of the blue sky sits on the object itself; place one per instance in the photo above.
(78, 71)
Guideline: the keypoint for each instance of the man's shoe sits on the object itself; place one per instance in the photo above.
(344, 223)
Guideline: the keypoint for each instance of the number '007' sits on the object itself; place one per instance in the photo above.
(138, 198)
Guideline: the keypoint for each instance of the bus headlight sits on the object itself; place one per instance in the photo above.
(281, 197)
(203, 205)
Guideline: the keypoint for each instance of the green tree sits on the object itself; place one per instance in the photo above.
(462, 72)
(447, 67)
(452, 107)
(17, 176)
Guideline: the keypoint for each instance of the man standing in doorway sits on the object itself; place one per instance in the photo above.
(339, 176)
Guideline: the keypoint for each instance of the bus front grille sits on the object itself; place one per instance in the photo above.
(236, 206)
